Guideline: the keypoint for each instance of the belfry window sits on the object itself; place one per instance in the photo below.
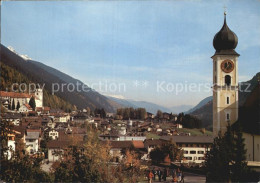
(227, 100)
(227, 80)
(228, 117)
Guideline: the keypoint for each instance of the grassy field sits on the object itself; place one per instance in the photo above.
(152, 135)
(194, 131)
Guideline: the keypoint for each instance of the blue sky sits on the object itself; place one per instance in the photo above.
(133, 43)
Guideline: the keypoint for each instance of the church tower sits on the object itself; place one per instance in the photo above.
(225, 79)
(39, 97)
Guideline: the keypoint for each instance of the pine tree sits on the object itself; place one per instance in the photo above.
(218, 159)
(239, 167)
(13, 105)
(9, 105)
(90, 165)
(32, 103)
(18, 105)
(102, 113)
(214, 161)
(228, 143)
(159, 114)
(226, 161)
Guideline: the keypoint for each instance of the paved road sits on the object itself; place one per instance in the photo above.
(189, 178)
(194, 178)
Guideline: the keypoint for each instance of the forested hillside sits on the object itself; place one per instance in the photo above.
(8, 76)
(43, 74)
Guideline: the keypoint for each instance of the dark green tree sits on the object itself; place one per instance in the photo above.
(170, 149)
(5, 129)
(9, 105)
(126, 114)
(226, 161)
(103, 113)
(21, 167)
(32, 103)
(239, 168)
(84, 161)
(13, 105)
(157, 155)
(159, 114)
(18, 105)
(100, 112)
(189, 121)
(220, 156)
(142, 113)
(217, 162)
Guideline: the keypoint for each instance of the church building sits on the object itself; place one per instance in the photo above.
(225, 79)
(7, 98)
(226, 108)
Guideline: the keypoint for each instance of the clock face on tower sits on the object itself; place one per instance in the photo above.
(227, 66)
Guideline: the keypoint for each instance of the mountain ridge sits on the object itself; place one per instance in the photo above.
(204, 109)
(149, 106)
(43, 74)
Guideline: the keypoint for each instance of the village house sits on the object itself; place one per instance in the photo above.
(61, 117)
(33, 122)
(46, 120)
(166, 116)
(118, 146)
(194, 147)
(80, 118)
(127, 138)
(53, 134)
(25, 108)
(22, 98)
(150, 115)
(109, 137)
(56, 149)
(32, 140)
(11, 143)
(43, 110)
(14, 118)
(150, 144)
(110, 115)
(51, 124)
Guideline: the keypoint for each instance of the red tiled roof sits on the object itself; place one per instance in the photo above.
(20, 129)
(77, 130)
(28, 106)
(38, 109)
(153, 142)
(138, 144)
(14, 94)
(120, 144)
(58, 144)
(43, 109)
(47, 108)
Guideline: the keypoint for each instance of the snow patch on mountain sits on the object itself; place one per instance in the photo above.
(25, 57)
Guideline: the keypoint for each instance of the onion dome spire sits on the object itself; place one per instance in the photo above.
(225, 41)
